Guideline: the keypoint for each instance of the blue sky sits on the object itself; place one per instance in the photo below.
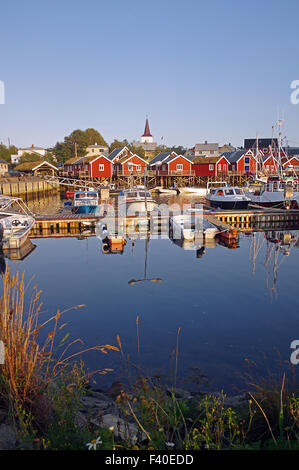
(201, 70)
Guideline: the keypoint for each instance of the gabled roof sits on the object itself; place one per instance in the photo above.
(126, 158)
(72, 160)
(26, 166)
(266, 157)
(161, 157)
(112, 155)
(44, 163)
(93, 158)
(97, 146)
(173, 157)
(233, 157)
(205, 160)
(32, 148)
(206, 146)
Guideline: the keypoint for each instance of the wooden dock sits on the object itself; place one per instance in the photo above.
(69, 224)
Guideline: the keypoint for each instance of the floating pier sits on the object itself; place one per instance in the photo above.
(63, 225)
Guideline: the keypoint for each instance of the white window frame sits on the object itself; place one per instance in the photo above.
(179, 167)
(101, 167)
(211, 167)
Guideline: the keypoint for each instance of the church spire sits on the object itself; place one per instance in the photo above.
(147, 132)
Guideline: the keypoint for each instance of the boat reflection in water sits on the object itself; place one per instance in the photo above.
(16, 254)
(279, 245)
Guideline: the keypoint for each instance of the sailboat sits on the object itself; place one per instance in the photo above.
(279, 190)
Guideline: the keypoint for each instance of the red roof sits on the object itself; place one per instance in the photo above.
(147, 132)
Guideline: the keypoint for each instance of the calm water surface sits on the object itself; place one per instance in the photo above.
(230, 304)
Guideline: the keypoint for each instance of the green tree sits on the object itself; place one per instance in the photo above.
(76, 143)
(118, 143)
(30, 157)
(136, 149)
(6, 152)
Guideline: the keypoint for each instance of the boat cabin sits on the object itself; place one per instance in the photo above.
(86, 198)
(227, 191)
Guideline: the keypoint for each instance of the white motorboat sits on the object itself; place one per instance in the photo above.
(276, 192)
(189, 226)
(14, 229)
(227, 197)
(193, 190)
(136, 200)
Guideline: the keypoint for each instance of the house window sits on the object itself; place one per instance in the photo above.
(233, 167)
(92, 150)
(247, 160)
(138, 167)
(164, 167)
(219, 167)
(179, 167)
(211, 167)
(246, 168)
(101, 167)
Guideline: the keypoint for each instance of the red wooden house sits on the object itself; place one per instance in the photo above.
(99, 167)
(292, 163)
(210, 166)
(72, 166)
(132, 164)
(270, 164)
(95, 167)
(172, 164)
(241, 161)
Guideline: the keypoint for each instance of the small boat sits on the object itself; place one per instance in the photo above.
(167, 191)
(85, 202)
(185, 226)
(70, 193)
(193, 190)
(276, 192)
(227, 197)
(14, 229)
(136, 199)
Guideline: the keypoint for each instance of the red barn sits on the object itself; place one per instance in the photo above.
(210, 166)
(130, 164)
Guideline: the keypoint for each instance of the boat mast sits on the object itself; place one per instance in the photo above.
(258, 163)
(279, 170)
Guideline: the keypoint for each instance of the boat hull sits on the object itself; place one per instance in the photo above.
(229, 205)
(85, 209)
(195, 191)
(273, 199)
(130, 208)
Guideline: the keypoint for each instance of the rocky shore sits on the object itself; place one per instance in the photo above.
(99, 409)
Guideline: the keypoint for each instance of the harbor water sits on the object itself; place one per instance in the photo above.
(231, 307)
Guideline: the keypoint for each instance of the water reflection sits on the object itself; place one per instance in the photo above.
(279, 245)
(16, 254)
